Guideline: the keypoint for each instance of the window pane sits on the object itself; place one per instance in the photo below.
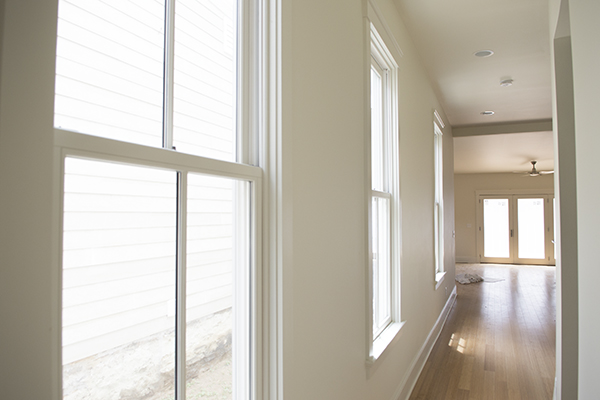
(381, 264)
(218, 267)
(109, 69)
(205, 78)
(376, 132)
(554, 241)
(496, 228)
(439, 201)
(531, 228)
(119, 270)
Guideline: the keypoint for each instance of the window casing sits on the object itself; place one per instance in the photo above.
(146, 132)
(438, 213)
(384, 209)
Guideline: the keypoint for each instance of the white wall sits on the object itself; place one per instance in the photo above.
(574, 27)
(324, 294)
(328, 293)
(28, 280)
(585, 34)
(573, 31)
(567, 287)
(465, 210)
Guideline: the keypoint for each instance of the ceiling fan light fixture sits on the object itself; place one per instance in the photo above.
(487, 113)
(483, 53)
(506, 82)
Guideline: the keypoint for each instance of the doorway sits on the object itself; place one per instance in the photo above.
(516, 228)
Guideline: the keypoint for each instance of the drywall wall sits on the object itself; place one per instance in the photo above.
(28, 305)
(465, 186)
(567, 307)
(585, 33)
(327, 297)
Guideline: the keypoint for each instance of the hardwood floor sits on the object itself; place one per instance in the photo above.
(499, 340)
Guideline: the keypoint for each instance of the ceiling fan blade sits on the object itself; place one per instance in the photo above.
(546, 172)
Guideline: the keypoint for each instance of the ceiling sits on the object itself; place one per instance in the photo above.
(447, 34)
(507, 152)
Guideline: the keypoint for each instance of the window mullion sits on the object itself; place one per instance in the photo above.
(180, 329)
(169, 68)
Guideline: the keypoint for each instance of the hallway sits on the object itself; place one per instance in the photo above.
(499, 340)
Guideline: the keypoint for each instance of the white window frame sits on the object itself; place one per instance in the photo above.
(381, 337)
(438, 212)
(258, 100)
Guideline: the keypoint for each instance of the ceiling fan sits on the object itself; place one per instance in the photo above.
(535, 172)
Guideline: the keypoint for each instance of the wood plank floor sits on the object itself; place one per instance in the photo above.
(499, 340)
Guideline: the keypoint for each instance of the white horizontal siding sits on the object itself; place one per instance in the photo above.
(110, 340)
(210, 247)
(204, 121)
(109, 69)
(119, 252)
(119, 224)
(118, 289)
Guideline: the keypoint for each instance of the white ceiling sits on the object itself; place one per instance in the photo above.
(507, 152)
(448, 33)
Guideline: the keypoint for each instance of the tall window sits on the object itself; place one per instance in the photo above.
(438, 214)
(159, 263)
(384, 205)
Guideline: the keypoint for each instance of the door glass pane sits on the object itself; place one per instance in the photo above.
(218, 265)
(531, 228)
(109, 69)
(496, 229)
(205, 83)
(118, 278)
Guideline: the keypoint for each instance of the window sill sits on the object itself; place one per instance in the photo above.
(439, 278)
(383, 341)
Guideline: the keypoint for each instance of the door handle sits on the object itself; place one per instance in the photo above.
(511, 233)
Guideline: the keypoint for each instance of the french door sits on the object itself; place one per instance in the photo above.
(516, 229)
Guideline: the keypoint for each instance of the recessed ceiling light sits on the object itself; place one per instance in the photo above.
(483, 53)
(506, 82)
(487, 113)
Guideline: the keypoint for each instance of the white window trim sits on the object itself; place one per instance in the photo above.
(438, 218)
(376, 48)
(260, 101)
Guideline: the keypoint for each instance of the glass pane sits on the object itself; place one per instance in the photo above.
(205, 84)
(218, 268)
(376, 132)
(381, 264)
(531, 228)
(496, 230)
(109, 68)
(119, 270)
(554, 241)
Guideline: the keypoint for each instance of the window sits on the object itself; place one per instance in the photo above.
(160, 260)
(384, 199)
(438, 213)
(119, 62)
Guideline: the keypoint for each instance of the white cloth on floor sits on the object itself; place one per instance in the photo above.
(468, 278)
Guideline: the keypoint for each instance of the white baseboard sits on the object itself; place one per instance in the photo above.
(416, 367)
(468, 260)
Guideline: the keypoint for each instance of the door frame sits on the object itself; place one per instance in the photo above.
(547, 195)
